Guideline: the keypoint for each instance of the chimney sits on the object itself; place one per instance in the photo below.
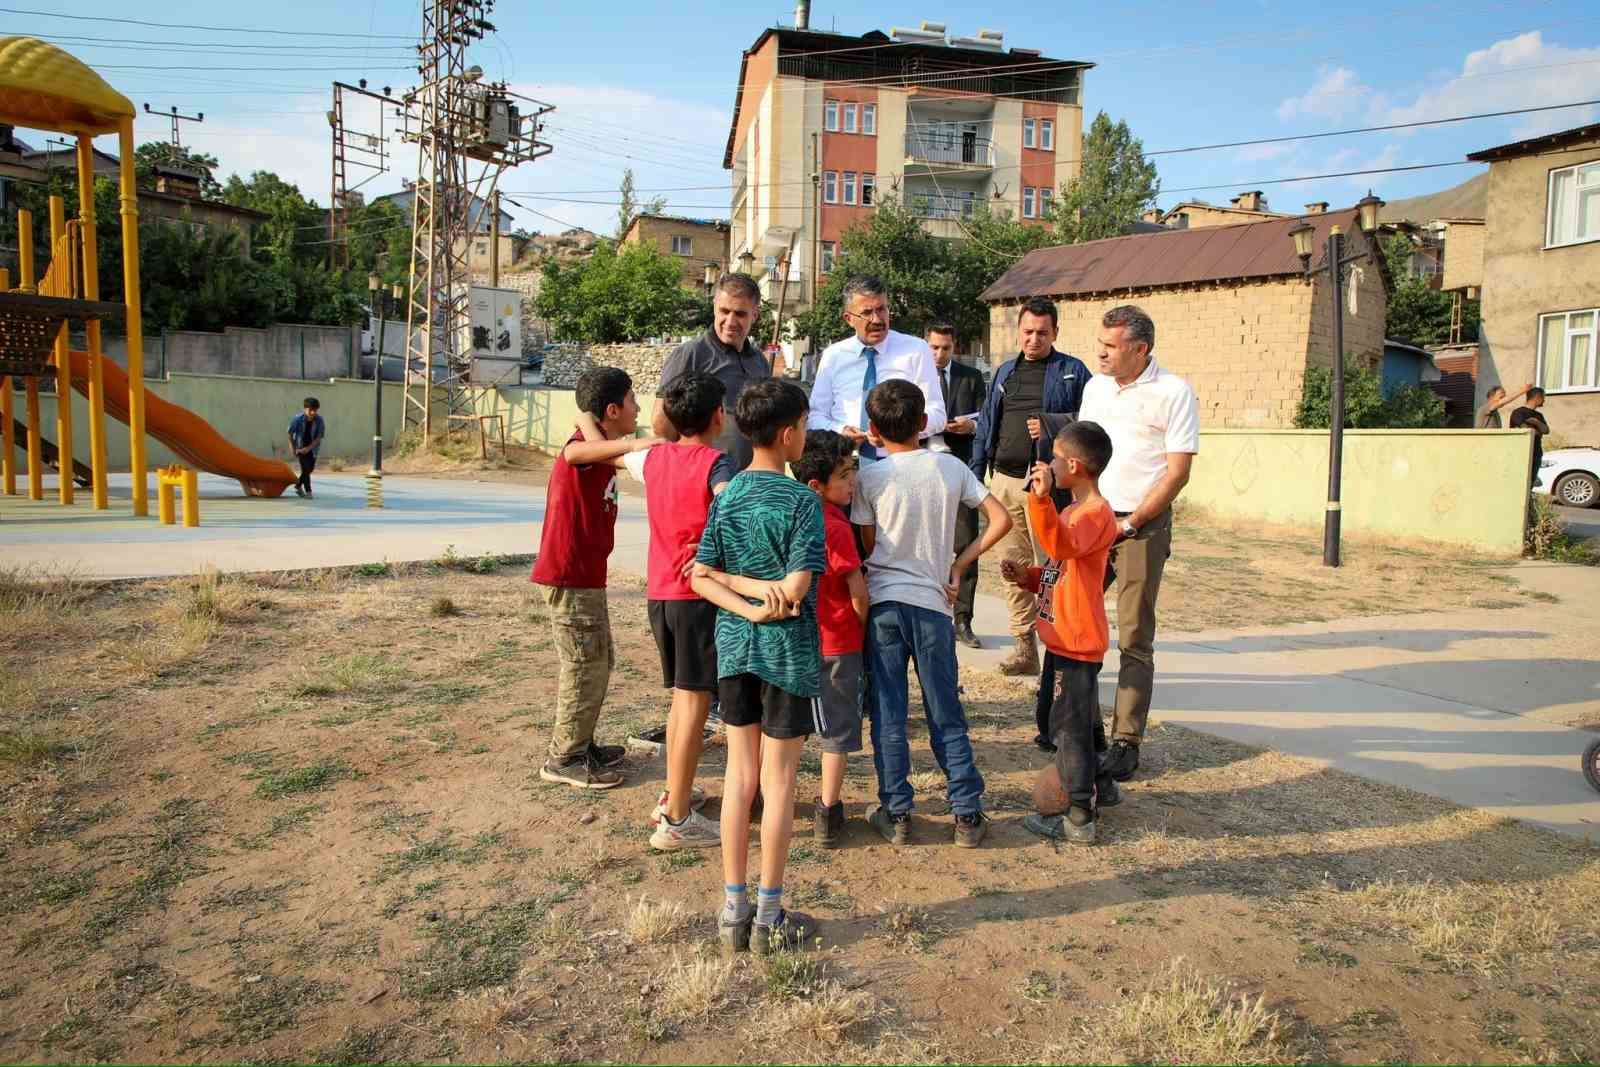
(1316, 207)
(1250, 201)
(802, 14)
(1153, 215)
(176, 182)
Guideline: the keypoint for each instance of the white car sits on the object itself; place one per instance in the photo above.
(1571, 476)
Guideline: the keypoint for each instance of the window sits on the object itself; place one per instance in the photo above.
(1047, 134)
(1027, 202)
(1027, 133)
(1045, 194)
(1567, 351)
(869, 186)
(869, 119)
(827, 256)
(830, 116)
(483, 248)
(830, 187)
(849, 186)
(1574, 205)
(681, 246)
(849, 118)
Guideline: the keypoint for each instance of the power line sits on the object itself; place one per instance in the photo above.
(214, 29)
(123, 42)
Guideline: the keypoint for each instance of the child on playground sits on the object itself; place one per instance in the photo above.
(828, 468)
(906, 504)
(681, 478)
(580, 520)
(306, 431)
(1072, 623)
(764, 543)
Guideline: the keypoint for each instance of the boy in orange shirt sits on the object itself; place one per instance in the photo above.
(1072, 624)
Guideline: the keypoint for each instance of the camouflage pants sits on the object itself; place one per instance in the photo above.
(581, 626)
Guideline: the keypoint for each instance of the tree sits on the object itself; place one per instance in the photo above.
(1417, 313)
(625, 293)
(630, 207)
(1410, 407)
(1114, 186)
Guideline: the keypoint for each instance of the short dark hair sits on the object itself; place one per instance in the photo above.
(691, 402)
(944, 328)
(312, 403)
(1087, 441)
(1536, 391)
(1136, 323)
(825, 453)
(600, 387)
(740, 285)
(1042, 306)
(896, 408)
(767, 406)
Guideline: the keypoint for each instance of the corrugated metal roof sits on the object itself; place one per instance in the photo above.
(1155, 260)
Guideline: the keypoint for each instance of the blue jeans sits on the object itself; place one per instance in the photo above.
(899, 634)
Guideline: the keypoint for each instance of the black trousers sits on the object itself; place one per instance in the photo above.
(308, 463)
(966, 533)
(1046, 699)
(1074, 714)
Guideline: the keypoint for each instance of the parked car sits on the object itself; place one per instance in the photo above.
(1571, 476)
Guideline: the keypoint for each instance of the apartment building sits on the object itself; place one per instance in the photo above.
(826, 125)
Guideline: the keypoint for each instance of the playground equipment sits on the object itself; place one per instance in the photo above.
(45, 88)
(182, 479)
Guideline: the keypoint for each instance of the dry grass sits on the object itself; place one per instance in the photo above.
(830, 1013)
(651, 922)
(911, 927)
(159, 645)
(353, 674)
(692, 989)
(1182, 1017)
(503, 1010)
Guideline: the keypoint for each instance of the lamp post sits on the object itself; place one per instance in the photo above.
(377, 301)
(1334, 264)
(747, 263)
(713, 271)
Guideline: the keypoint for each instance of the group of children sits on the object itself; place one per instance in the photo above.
(795, 601)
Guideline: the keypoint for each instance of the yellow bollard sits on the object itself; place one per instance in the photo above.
(169, 480)
(191, 498)
(164, 498)
(61, 263)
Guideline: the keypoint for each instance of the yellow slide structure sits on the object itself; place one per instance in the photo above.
(191, 438)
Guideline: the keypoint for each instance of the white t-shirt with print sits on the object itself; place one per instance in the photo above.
(912, 498)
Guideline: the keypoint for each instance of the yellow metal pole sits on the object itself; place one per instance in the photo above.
(91, 291)
(135, 318)
(191, 497)
(35, 449)
(164, 496)
(8, 435)
(25, 250)
(61, 262)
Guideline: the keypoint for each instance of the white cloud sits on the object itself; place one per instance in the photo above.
(1336, 92)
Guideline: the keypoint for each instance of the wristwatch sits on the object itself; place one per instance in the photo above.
(1129, 529)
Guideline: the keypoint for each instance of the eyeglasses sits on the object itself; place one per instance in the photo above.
(871, 314)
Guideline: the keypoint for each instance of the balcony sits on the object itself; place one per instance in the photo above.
(945, 149)
(942, 215)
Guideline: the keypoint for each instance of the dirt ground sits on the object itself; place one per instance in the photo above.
(298, 818)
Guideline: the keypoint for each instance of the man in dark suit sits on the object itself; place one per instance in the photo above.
(963, 391)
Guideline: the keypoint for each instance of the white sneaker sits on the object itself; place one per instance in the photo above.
(696, 831)
(697, 800)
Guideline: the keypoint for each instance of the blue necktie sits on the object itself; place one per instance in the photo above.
(869, 378)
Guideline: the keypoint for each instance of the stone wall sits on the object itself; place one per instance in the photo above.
(643, 362)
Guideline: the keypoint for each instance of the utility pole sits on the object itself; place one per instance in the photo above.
(177, 117)
(357, 148)
(494, 239)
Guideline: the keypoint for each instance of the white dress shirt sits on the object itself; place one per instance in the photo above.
(836, 393)
(1152, 415)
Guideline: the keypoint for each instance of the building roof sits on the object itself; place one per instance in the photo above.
(876, 59)
(44, 88)
(1534, 146)
(1245, 250)
(1469, 200)
(721, 224)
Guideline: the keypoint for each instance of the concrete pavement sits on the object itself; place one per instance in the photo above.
(1468, 705)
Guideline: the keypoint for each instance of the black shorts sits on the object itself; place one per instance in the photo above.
(686, 637)
(748, 700)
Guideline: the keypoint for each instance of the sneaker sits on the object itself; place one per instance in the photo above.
(735, 935)
(791, 931)
(970, 829)
(829, 827)
(1107, 794)
(1044, 744)
(299, 490)
(309, 493)
(1122, 759)
(895, 829)
(1059, 828)
(607, 755)
(697, 800)
(583, 773)
(695, 831)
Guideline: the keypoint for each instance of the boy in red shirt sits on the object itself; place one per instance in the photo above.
(828, 468)
(680, 480)
(1072, 624)
(580, 524)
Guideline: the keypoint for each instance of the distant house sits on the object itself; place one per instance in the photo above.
(693, 242)
(476, 248)
(1541, 275)
(1248, 206)
(1234, 311)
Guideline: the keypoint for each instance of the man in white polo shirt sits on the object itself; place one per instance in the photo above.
(1154, 422)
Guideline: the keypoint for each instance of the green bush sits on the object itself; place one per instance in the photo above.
(1546, 536)
(1410, 407)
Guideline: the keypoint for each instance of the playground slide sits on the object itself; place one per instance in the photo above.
(48, 452)
(190, 437)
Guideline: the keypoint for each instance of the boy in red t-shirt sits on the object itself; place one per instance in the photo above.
(680, 480)
(1072, 624)
(580, 522)
(828, 468)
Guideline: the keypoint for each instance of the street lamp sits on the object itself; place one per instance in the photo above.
(747, 262)
(1334, 264)
(713, 270)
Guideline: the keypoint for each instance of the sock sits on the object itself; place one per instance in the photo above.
(735, 905)
(769, 905)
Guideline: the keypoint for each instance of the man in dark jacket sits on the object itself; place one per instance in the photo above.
(1033, 394)
(963, 390)
(725, 352)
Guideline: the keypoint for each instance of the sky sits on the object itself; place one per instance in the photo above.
(650, 86)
